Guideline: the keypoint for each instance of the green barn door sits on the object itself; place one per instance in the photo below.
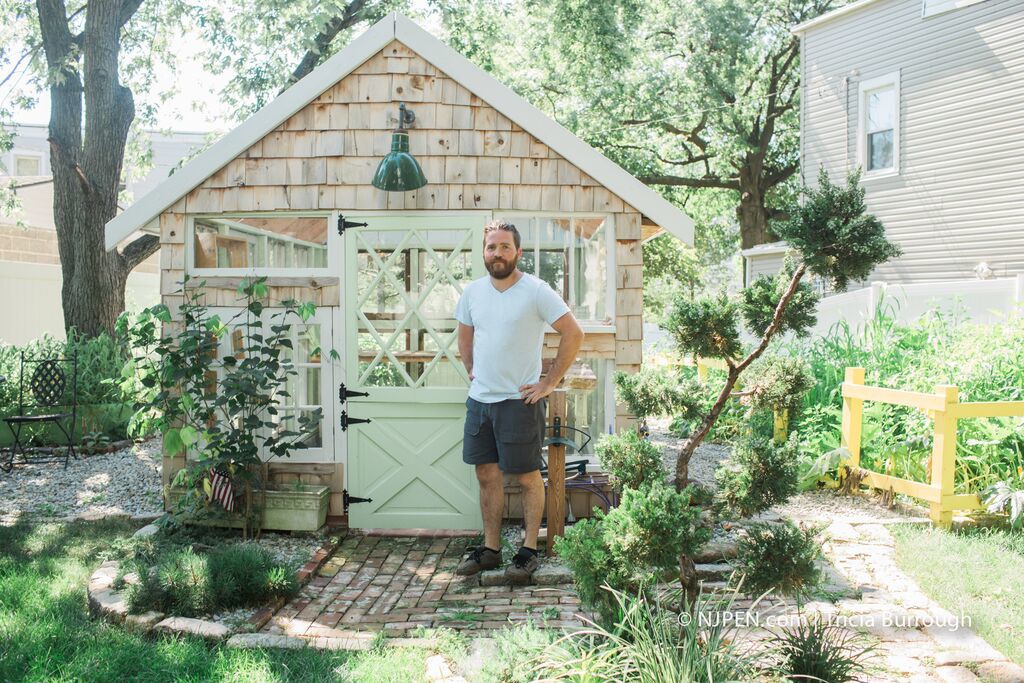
(403, 279)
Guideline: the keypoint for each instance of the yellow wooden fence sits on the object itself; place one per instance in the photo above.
(945, 408)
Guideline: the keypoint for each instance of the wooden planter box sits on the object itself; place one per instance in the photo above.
(300, 508)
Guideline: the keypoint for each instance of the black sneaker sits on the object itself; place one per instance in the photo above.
(478, 560)
(524, 564)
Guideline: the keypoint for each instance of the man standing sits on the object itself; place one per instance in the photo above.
(501, 332)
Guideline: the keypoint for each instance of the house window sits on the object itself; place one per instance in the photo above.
(27, 165)
(246, 245)
(930, 8)
(570, 253)
(880, 125)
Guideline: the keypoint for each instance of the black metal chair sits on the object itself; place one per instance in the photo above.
(39, 396)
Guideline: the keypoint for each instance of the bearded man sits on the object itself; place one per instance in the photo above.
(502, 318)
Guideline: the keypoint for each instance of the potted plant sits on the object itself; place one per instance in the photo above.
(214, 390)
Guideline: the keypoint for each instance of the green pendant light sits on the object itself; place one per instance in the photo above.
(399, 171)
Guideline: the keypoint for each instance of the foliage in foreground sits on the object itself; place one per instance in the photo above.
(184, 583)
(629, 459)
(631, 546)
(781, 558)
(817, 651)
(651, 644)
(760, 473)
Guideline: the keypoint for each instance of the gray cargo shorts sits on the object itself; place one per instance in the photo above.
(509, 433)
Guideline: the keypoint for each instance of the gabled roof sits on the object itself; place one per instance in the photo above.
(398, 27)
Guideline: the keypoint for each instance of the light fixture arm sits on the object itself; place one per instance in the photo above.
(405, 116)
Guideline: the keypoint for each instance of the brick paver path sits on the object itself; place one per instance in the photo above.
(374, 583)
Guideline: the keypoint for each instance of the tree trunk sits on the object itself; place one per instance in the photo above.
(86, 160)
(751, 212)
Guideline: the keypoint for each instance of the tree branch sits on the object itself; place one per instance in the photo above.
(680, 181)
(322, 41)
(139, 250)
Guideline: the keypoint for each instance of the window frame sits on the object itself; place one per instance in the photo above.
(17, 156)
(331, 268)
(931, 8)
(333, 448)
(865, 89)
(588, 325)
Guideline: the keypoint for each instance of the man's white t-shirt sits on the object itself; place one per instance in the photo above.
(508, 333)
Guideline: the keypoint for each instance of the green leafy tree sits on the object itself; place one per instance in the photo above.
(693, 97)
(96, 60)
(222, 408)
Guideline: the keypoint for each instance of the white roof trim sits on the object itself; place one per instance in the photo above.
(765, 249)
(829, 16)
(396, 26)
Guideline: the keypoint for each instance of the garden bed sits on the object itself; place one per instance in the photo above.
(111, 585)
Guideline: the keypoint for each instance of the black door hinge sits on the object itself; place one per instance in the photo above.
(344, 394)
(347, 499)
(346, 420)
(344, 225)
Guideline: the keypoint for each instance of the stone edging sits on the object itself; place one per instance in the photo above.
(107, 603)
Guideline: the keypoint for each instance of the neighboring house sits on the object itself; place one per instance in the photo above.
(926, 97)
(286, 194)
(30, 275)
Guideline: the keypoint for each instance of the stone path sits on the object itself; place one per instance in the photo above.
(394, 585)
(918, 640)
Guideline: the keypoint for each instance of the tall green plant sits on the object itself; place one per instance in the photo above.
(222, 410)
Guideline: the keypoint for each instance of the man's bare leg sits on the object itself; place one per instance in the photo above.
(533, 505)
(492, 502)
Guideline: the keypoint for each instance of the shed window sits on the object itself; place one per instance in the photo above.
(570, 253)
(251, 243)
(879, 125)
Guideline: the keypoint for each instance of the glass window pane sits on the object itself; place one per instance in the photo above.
(312, 397)
(589, 281)
(881, 109)
(554, 238)
(880, 150)
(265, 242)
(309, 343)
(586, 388)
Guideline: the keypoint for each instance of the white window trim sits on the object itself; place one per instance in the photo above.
(931, 8)
(865, 88)
(27, 155)
(589, 325)
(334, 259)
(333, 449)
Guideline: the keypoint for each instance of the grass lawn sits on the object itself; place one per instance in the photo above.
(46, 632)
(978, 572)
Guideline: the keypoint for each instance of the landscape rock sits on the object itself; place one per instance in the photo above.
(551, 574)
(266, 640)
(197, 627)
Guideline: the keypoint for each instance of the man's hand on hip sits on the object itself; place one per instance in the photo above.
(535, 392)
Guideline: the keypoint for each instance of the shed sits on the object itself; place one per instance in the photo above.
(287, 195)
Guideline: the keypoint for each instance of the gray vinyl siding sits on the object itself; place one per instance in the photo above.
(959, 196)
(762, 265)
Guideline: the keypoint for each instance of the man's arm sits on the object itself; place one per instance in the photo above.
(568, 347)
(466, 347)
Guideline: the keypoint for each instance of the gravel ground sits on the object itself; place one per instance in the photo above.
(810, 506)
(125, 482)
(705, 459)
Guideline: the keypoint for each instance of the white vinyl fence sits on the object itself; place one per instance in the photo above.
(30, 304)
(979, 301)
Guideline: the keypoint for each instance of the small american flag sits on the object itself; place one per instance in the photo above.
(221, 490)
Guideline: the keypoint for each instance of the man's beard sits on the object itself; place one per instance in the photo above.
(500, 270)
